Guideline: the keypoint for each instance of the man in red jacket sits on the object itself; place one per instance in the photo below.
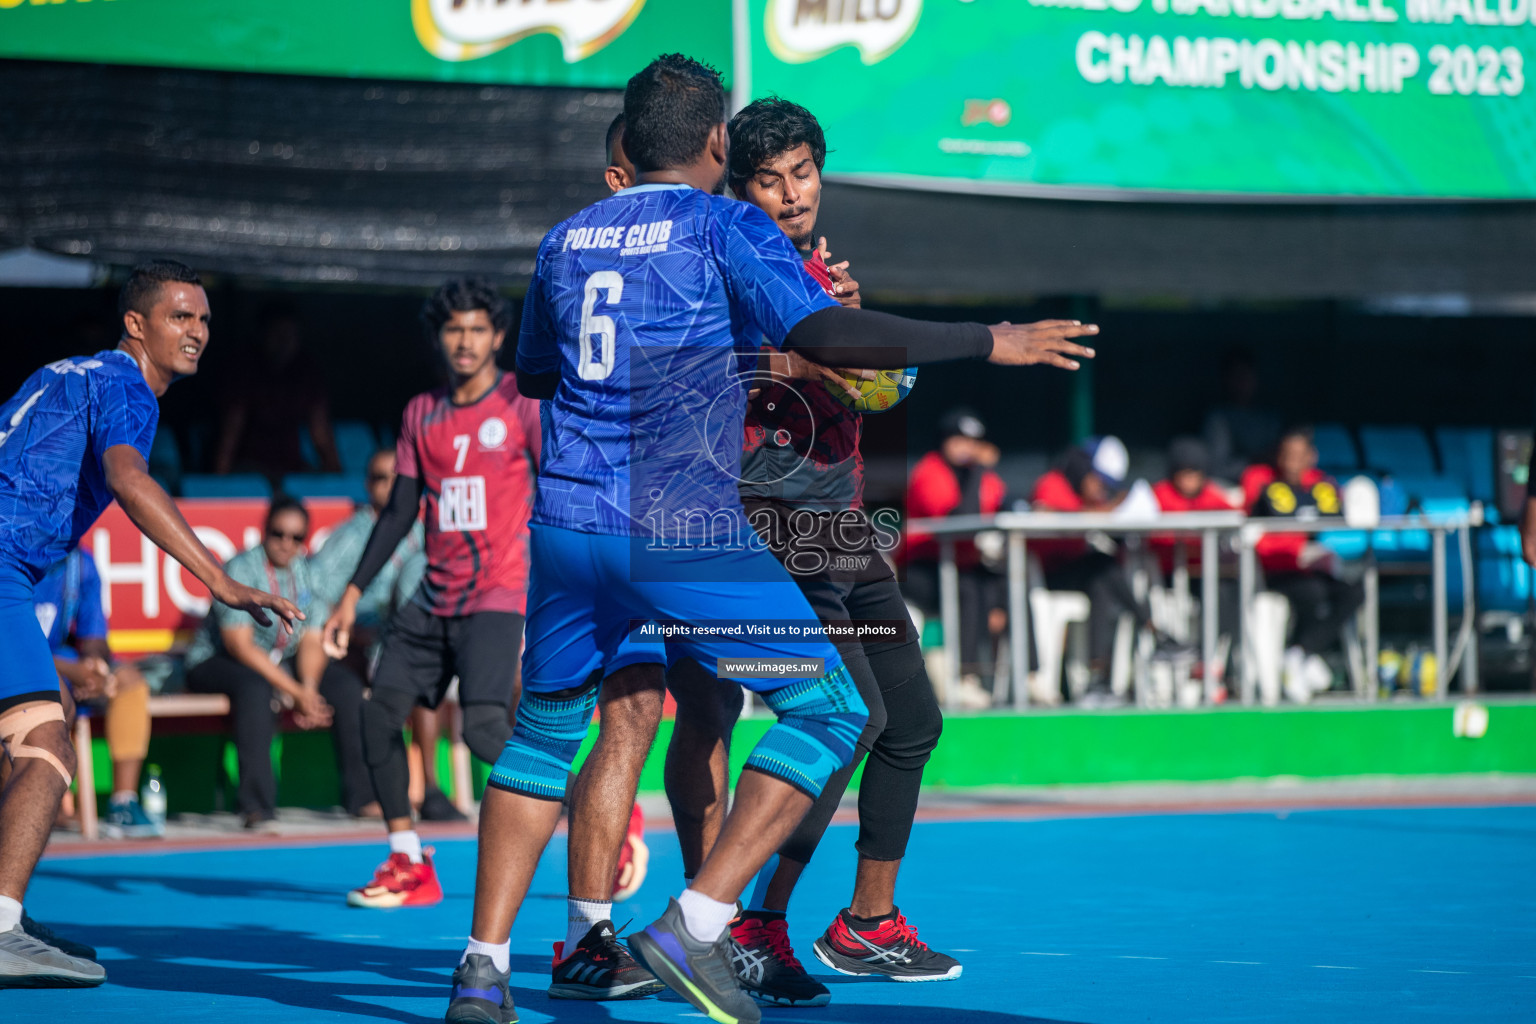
(1090, 477)
(1295, 565)
(959, 479)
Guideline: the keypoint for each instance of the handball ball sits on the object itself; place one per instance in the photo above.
(884, 392)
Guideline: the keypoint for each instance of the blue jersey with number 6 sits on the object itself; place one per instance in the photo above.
(53, 433)
(651, 305)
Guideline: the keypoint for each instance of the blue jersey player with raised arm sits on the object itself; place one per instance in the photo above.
(641, 330)
(76, 436)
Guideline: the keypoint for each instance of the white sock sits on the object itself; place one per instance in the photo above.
(704, 918)
(499, 952)
(122, 796)
(10, 913)
(581, 915)
(408, 843)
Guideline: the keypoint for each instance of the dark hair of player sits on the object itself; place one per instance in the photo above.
(765, 128)
(615, 128)
(283, 503)
(1301, 430)
(670, 107)
(460, 295)
(143, 285)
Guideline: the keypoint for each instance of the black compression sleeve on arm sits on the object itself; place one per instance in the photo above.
(538, 385)
(837, 336)
(394, 523)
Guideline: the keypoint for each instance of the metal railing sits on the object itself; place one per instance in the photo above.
(1019, 528)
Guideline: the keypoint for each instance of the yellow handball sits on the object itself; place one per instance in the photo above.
(884, 392)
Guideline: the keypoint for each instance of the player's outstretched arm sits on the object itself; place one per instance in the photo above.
(154, 513)
(860, 337)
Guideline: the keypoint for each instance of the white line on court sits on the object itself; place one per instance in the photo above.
(1245, 963)
(1141, 958)
(1334, 967)
(1028, 953)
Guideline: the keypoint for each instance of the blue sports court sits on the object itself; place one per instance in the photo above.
(1356, 915)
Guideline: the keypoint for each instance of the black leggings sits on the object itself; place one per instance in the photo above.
(1320, 606)
(903, 728)
(253, 712)
(981, 591)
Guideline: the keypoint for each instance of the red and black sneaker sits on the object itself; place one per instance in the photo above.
(886, 946)
(599, 968)
(399, 883)
(766, 964)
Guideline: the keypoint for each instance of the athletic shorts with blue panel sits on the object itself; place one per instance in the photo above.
(53, 434)
(649, 305)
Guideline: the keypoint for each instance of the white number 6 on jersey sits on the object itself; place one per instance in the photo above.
(602, 326)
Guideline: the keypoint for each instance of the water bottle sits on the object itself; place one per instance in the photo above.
(153, 797)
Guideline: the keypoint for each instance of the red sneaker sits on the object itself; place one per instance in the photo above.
(399, 883)
(634, 858)
(891, 949)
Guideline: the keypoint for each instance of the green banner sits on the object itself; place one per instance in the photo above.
(1241, 98)
(591, 43)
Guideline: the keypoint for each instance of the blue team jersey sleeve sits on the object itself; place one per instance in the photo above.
(90, 619)
(765, 275)
(123, 411)
(538, 346)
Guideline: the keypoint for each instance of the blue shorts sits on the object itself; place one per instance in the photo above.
(585, 595)
(27, 671)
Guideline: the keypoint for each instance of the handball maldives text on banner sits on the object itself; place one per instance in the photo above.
(152, 603)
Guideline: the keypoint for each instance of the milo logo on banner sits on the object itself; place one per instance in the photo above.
(467, 29)
(802, 30)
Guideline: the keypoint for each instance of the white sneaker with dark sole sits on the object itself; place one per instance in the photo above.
(26, 962)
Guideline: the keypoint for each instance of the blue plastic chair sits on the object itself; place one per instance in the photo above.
(355, 444)
(1467, 454)
(233, 485)
(1503, 578)
(326, 485)
(1336, 450)
(1397, 450)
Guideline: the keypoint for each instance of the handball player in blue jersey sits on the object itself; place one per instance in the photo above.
(640, 329)
(74, 437)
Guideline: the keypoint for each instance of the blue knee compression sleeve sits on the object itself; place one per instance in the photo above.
(819, 724)
(537, 759)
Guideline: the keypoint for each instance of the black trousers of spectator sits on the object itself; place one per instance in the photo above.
(1103, 579)
(253, 711)
(1320, 606)
(981, 591)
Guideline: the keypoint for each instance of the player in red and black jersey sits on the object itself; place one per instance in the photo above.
(466, 458)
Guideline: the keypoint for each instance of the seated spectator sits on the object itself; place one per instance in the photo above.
(1292, 487)
(270, 397)
(1238, 431)
(1090, 477)
(261, 667)
(69, 610)
(331, 569)
(959, 479)
(1188, 488)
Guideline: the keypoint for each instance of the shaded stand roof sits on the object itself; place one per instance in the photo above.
(403, 183)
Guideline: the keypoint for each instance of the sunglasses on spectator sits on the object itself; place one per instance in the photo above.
(297, 538)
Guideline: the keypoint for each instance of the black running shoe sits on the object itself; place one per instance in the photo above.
(766, 964)
(599, 968)
(436, 806)
(480, 994)
(891, 948)
(699, 972)
(43, 933)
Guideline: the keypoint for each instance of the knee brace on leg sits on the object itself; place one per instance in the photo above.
(17, 723)
(536, 760)
(486, 730)
(818, 728)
